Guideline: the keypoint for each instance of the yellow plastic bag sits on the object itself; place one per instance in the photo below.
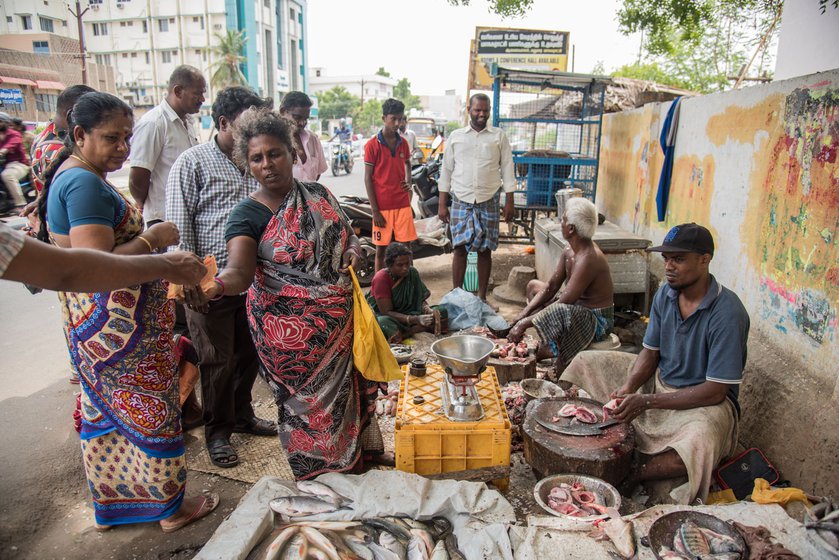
(765, 494)
(370, 350)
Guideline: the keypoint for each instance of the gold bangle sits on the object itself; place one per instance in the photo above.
(146, 241)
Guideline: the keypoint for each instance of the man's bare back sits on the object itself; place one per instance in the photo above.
(590, 261)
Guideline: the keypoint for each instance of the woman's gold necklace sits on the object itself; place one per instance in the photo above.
(89, 165)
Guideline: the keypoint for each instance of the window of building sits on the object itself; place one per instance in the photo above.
(145, 26)
(148, 58)
(201, 21)
(172, 20)
(46, 102)
(195, 19)
(100, 29)
(125, 55)
(26, 22)
(267, 3)
(92, 2)
(9, 19)
(40, 47)
(46, 24)
(133, 55)
(163, 25)
(291, 14)
(166, 57)
(130, 24)
(104, 59)
(122, 24)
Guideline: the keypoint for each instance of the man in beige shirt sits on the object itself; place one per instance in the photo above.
(477, 164)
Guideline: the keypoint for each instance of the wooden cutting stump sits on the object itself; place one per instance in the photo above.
(607, 456)
(513, 371)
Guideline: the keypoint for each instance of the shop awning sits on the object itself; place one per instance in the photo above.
(18, 81)
(46, 84)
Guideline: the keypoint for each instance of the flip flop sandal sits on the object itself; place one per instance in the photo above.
(257, 427)
(208, 504)
(222, 453)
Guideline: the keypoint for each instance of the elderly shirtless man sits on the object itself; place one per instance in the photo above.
(584, 311)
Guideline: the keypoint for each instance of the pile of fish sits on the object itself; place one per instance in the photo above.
(822, 522)
(575, 500)
(381, 538)
(617, 530)
(692, 541)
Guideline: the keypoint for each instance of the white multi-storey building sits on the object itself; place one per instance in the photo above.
(144, 40)
(363, 86)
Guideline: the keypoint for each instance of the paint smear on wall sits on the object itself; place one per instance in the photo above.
(691, 192)
(629, 164)
(790, 230)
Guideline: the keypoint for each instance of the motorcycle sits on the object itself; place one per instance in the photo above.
(424, 178)
(27, 186)
(341, 158)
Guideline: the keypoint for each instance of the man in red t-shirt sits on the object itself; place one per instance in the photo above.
(17, 161)
(387, 172)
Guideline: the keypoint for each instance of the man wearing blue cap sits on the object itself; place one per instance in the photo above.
(681, 391)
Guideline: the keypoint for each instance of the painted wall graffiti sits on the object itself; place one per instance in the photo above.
(795, 215)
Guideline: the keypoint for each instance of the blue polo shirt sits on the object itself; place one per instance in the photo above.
(709, 345)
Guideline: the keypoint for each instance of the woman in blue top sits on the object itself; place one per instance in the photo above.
(121, 341)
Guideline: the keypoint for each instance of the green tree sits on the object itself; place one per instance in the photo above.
(367, 119)
(402, 92)
(599, 68)
(382, 72)
(505, 8)
(226, 69)
(337, 103)
(451, 126)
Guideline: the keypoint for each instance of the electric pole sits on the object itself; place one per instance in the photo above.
(78, 15)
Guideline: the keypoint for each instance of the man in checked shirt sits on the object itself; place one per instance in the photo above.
(203, 187)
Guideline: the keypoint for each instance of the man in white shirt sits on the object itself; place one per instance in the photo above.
(478, 162)
(160, 136)
(408, 134)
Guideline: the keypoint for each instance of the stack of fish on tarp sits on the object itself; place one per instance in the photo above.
(692, 541)
(379, 538)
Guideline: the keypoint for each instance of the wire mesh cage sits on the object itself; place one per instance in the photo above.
(552, 120)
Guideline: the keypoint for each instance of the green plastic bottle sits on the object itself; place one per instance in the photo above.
(470, 279)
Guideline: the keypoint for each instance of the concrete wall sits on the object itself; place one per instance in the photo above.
(758, 167)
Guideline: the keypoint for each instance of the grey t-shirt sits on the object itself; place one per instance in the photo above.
(708, 345)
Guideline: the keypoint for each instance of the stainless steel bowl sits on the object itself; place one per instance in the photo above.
(463, 354)
(540, 389)
(611, 496)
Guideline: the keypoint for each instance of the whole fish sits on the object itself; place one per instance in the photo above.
(381, 553)
(319, 541)
(274, 549)
(694, 540)
(344, 552)
(388, 541)
(441, 526)
(294, 506)
(330, 525)
(452, 549)
(297, 549)
(321, 490)
(381, 524)
(720, 543)
(417, 549)
(359, 547)
(426, 539)
(439, 552)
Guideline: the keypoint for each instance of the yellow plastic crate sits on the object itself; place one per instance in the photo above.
(429, 443)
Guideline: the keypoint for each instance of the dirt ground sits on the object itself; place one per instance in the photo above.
(45, 510)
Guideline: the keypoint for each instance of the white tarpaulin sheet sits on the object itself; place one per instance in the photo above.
(567, 539)
(480, 516)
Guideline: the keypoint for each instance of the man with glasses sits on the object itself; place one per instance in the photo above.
(310, 161)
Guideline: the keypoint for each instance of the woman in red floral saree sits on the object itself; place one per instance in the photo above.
(292, 244)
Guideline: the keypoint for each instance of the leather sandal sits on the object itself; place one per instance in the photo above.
(257, 427)
(222, 453)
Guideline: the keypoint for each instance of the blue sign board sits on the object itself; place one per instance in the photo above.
(11, 96)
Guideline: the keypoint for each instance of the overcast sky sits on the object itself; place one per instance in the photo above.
(427, 41)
